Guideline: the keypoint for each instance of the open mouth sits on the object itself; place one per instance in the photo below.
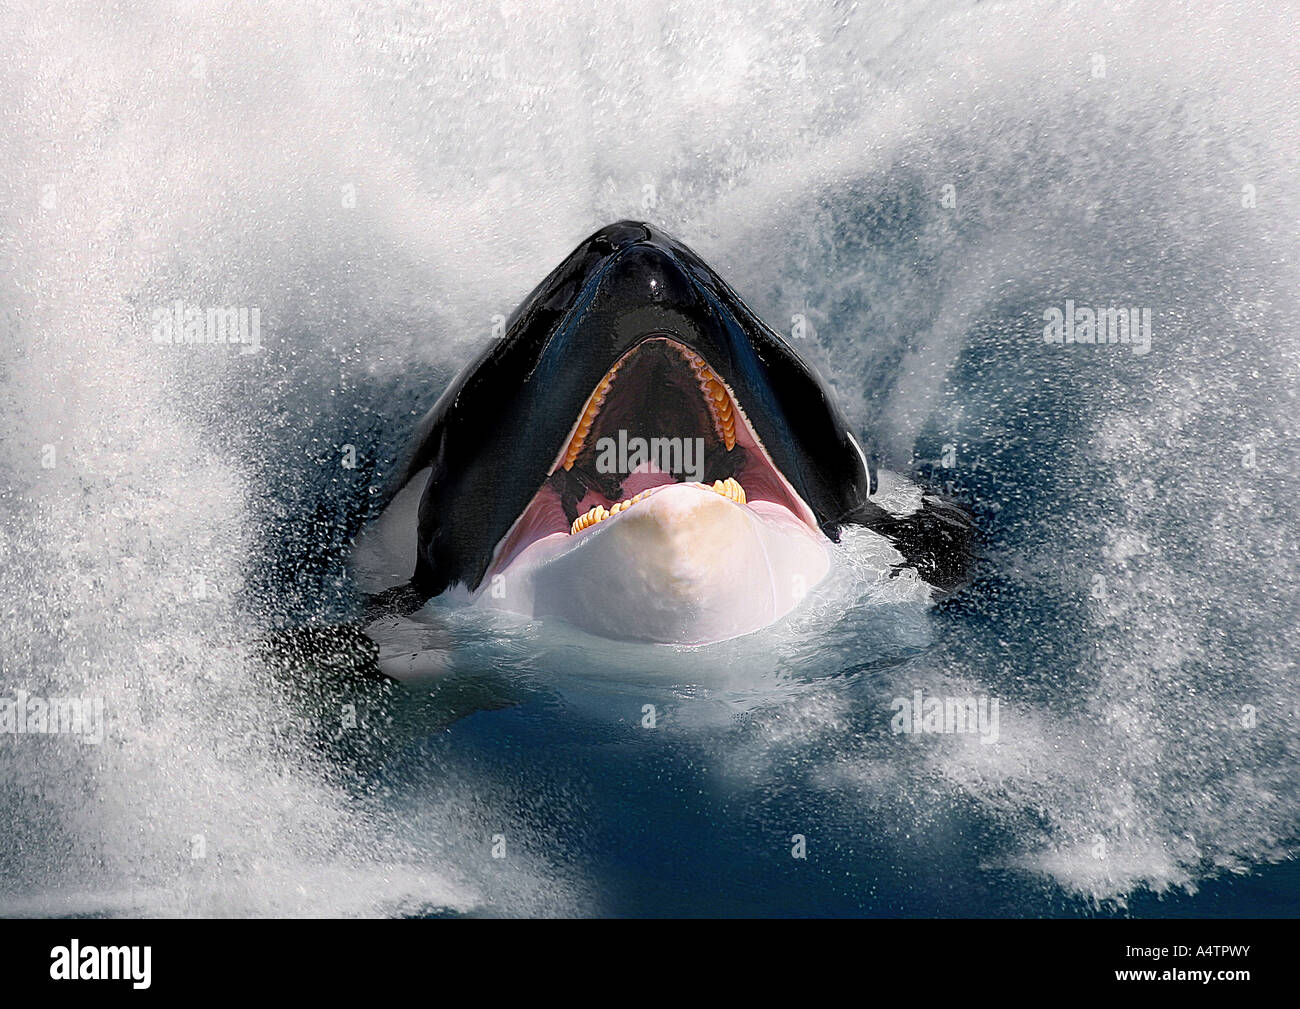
(660, 417)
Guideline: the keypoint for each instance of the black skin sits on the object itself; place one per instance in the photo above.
(495, 432)
(939, 540)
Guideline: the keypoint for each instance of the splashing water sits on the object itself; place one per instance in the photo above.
(383, 182)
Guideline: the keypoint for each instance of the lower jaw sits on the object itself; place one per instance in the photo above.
(686, 566)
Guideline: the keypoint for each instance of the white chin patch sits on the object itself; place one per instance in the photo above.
(685, 566)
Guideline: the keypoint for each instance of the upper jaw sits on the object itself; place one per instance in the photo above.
(709, 413)
(714, 395)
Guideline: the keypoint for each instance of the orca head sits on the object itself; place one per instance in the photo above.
(638, 453)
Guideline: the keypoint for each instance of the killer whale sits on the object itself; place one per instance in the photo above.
(633, 332)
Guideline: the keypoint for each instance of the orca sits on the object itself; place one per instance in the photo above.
(638, 455)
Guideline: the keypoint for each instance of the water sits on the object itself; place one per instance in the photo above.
(381, 181)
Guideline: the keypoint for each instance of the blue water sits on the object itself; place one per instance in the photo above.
(382, 181)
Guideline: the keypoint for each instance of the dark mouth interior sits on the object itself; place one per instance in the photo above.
(655, 395)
